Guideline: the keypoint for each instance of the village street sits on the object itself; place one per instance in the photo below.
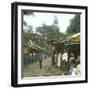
(47, 69)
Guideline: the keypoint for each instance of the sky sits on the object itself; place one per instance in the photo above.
(41, 17)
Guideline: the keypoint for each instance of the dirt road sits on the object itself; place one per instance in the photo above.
(47, 69)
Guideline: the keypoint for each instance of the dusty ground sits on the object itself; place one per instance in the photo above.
(47, 69)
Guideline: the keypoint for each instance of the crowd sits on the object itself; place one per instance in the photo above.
(69, 65)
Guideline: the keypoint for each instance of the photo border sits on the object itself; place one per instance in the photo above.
(14, 43)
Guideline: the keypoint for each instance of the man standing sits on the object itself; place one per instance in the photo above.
(40, 59)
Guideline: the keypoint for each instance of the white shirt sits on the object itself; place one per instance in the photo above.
(65, 56)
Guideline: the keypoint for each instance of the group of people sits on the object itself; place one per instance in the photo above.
(58, 57)
(69, 65)
(74, 65)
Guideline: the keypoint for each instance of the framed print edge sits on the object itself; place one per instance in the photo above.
(86, 22)
(14, 44)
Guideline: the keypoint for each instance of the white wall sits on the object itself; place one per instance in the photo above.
(5, 45)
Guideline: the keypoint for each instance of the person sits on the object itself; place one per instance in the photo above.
(65, 56)
(71, 63)
(78, 60)
(76, 70)
(40, 57)
(78, 65)
(59, 60)
(53, 58)
(64, 60)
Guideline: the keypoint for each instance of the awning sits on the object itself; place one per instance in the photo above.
(75, 37)
(32, 48)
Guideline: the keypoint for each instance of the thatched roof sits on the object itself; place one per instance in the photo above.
(32, 48)
(75, 37)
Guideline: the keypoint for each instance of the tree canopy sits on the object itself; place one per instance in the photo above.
(74, 26)
(27, 12)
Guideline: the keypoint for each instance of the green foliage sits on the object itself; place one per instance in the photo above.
(24, 23)
(26, 58)
(27, 33)
(43, 34)
(55, 21)
(48, 31)
(74, 26)
(27, 12)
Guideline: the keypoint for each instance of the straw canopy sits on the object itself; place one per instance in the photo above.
(75, 37)
(33, 48)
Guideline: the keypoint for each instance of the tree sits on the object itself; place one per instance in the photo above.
(24, 23)
(55, 21)
(27, 12)
(74, 26)
(48, 32)
(27, 33)
(27, 29)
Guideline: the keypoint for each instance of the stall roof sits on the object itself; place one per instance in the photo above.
(75, 37)
(33, 48)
